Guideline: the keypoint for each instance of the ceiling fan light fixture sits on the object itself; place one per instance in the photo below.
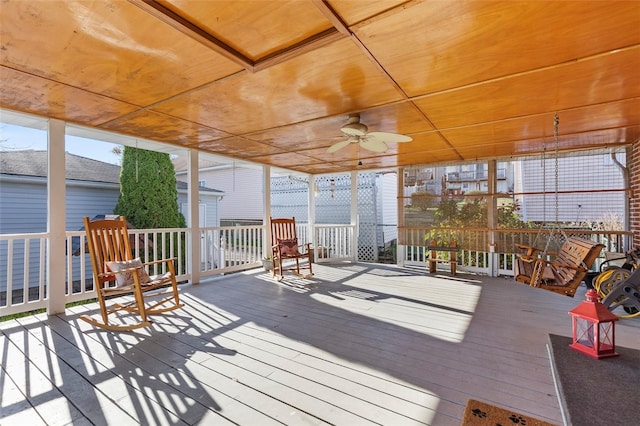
(354, 129)
(357, 132)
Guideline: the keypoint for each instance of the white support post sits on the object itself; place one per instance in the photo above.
(312, 214)
(400, 249)
(492, 217)
(266, 191)
(354, 214)
(56, 217)
(193, 200)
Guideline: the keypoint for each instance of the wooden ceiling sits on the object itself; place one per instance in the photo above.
(272, 82)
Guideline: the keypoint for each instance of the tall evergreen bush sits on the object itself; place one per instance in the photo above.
(148, 192)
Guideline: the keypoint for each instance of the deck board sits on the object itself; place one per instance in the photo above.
(355, 344)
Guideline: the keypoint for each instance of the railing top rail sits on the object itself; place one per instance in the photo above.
(566, 231)
(518, 230)
(421, 228)
(157, 230)
(237, 228)
(24, 235)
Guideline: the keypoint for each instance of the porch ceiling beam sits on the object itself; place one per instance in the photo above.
(332, 16)
(173, 19)
(188, 28)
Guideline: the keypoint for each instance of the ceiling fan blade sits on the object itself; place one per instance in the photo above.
(372, 144)
(389, 137)
(338, 145)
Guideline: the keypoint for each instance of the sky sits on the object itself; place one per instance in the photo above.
(20, 138)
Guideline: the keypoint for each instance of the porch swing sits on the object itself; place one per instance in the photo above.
(559, 271)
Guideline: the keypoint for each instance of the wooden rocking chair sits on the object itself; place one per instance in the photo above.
(116, 273)
(564, 273)
(285, 247)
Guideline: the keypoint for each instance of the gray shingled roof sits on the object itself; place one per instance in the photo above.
(34, 163)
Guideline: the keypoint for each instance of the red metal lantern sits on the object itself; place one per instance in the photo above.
(593, 328)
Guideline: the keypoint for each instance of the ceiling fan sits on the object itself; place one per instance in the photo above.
(357, 132)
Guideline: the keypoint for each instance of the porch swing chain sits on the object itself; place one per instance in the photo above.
(556, 226)
(556, 122)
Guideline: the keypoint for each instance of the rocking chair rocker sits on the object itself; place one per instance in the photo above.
(117, 273)
(285, 247)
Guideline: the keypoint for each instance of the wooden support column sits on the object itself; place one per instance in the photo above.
(492, 217)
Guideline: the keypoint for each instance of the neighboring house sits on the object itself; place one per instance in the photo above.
(92, 189)
(289, 197)
(533, 182)
(598, 173)
(243, 201)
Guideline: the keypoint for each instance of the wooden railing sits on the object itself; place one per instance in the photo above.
(230, 249)
(23, 275)
(22, 260)
(334, 242)
(477, 245)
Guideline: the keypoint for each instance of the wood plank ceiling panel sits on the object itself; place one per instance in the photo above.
(588, 140)
(36, 95)
(335, 79)
(111, 48)
(614, 115)
(303, 135)
(453, 44)
(289, 160)
(239, 147)
(274, 81)
(353, 12)
(256, 29)
(567, 86)
(163, 128)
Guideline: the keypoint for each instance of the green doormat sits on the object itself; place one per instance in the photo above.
(480, 413)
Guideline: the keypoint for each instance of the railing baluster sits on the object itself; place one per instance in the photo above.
(25, 291)
(10, 273)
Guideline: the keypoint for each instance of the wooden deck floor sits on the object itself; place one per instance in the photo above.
(356, 344)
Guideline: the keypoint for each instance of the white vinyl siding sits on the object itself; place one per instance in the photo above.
(242, 187)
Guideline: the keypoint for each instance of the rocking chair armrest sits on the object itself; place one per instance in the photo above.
(120, 271)
(113, 274)
(154, 262)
